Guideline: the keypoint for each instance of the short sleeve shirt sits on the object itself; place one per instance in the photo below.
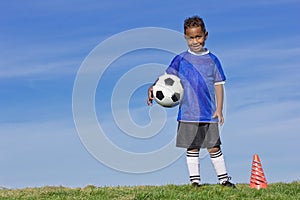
(198, 74)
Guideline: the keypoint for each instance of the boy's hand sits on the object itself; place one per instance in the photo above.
(150, 96)
(220, 117)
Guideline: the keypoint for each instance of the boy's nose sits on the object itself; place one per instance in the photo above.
(195, 41)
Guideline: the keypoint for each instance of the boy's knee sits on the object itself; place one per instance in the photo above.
(193, 150)
(214, 149)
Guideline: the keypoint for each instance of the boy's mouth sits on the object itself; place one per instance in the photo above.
(196, 47)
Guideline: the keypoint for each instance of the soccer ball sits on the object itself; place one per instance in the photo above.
(168, 90)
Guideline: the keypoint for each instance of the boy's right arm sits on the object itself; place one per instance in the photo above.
(150, 95)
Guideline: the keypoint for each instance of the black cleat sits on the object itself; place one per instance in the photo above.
(194, 184)
(228, 184)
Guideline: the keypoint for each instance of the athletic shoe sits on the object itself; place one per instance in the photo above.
(194, 184)
(228, 184)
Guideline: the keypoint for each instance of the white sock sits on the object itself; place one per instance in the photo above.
(218, 162)
(192, 160)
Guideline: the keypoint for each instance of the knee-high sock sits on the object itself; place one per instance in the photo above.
(192, 159)
(218, 162)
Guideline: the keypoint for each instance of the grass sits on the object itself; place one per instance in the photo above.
(276, 191)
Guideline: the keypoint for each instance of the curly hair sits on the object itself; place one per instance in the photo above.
(194, 21)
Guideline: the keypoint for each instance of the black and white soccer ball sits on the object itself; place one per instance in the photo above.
(168, 90)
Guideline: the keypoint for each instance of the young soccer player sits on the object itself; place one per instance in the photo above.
(201, 108)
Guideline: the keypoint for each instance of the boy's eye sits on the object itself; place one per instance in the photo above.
(197, 37)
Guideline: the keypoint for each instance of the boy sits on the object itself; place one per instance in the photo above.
(201, 108)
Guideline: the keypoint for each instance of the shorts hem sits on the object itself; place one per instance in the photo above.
(198, 147)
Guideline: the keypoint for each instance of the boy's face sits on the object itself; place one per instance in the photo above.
(195, 38)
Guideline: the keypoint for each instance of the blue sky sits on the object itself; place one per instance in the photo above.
(44, 45)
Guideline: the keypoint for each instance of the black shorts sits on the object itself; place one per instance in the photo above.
(197, 135)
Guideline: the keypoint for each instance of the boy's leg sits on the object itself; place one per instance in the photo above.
(218, 162)
(192, 159)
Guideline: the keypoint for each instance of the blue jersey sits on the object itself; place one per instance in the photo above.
(199, 74)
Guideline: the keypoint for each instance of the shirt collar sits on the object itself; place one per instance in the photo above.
(204, 52)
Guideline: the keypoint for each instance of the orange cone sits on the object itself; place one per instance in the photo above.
(258, 179)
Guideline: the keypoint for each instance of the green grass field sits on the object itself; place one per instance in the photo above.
(276, 191)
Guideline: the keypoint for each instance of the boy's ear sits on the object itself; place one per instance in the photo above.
(206, 35)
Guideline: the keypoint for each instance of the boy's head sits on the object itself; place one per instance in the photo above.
(195, 33)
(194, 21)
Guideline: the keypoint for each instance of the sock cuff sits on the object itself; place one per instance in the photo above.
(216, 154)
(192, 154)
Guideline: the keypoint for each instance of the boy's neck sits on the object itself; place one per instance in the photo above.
(200, 53)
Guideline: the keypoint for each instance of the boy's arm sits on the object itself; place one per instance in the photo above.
(219, 97)
(150, 95)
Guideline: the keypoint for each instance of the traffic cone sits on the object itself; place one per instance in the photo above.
(258, 179)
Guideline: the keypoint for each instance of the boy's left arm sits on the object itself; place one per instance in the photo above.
(219, 97)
